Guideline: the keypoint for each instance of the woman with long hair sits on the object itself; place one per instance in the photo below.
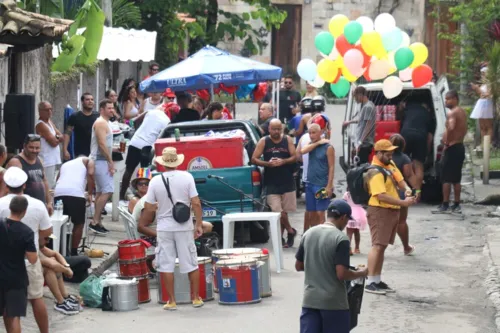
(483, 111)
(123, 90)
(130, 105)
(214, 111)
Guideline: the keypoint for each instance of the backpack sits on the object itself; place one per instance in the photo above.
(356, 183)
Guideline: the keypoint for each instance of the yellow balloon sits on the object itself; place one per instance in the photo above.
(371, 42)
(327, 70)
(337, 24)
(421, 53)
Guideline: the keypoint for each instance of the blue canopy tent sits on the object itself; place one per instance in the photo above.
(208, 68)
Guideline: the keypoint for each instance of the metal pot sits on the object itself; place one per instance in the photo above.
(124, 297)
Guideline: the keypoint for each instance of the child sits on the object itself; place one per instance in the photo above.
(354, 226)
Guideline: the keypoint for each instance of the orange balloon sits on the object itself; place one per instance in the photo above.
(343, 45)
(421, 76)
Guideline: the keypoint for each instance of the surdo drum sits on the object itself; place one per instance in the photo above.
(228, 254)
(238, 281)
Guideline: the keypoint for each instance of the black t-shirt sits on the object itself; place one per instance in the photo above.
(400, 159)
(416, 119)
(82, 127)
(16, 238)
(288, 100)
(186, 114)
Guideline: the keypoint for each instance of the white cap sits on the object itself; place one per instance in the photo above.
(484, 69)
(15, 177)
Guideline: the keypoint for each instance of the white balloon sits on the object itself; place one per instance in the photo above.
(379, 69)
(385, 22)
(307, 69)
(392, 87)
(334, 54)
(406, 40)
(317, 83)
(405, 74)
(366, 23)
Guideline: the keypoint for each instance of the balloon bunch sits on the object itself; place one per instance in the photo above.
(374, 50)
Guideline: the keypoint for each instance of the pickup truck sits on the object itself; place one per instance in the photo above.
(219, 198)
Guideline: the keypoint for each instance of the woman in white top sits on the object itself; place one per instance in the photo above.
(50, 151)
(484, 106)
(152, 102)
(130, 105)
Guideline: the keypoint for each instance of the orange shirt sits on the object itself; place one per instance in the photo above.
(376, 184)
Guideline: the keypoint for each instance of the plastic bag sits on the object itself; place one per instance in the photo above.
(91, 291)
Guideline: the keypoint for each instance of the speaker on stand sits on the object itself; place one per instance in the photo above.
(19, 117)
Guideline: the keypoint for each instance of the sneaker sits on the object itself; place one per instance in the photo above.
(98, 229)
(170, 306)
(104, 212)
(373, 288)
(291, 238)
(442, 210)
(65, 308)
(198, 303)
(74, 301)
(456, 209)
(104, 229)
(383, 286)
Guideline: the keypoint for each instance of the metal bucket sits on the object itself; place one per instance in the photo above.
(124, 297)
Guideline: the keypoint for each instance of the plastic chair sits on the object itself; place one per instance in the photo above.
(229, 220)
(129, 223)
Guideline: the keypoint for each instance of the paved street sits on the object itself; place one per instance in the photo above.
(439, 289)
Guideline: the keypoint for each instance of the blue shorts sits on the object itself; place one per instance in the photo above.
(313, 204)
(324, 321)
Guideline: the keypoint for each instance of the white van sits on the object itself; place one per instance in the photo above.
(433, 94)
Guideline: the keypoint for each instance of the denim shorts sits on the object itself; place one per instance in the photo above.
(313, 204)
(324, 321)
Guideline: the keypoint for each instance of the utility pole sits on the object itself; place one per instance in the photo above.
(107, 8)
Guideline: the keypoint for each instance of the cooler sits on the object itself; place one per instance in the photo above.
(203, 153)
(384, 130)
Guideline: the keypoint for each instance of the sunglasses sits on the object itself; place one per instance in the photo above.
(142, 184)
(155, 69)
(32, 138)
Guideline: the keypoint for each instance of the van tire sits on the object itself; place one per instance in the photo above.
(259, 235)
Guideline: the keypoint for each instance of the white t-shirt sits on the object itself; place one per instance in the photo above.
(37, 217)
(152, 125)
(72, 179)
(182, 188)
(304, 141)
(139, 206)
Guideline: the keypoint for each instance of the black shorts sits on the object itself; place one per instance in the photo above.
(136, 156)
(13, 302)
(416, 145)
(452, 163)
(74, 207)
(364, 151)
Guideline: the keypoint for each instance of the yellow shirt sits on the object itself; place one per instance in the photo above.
(377, 186)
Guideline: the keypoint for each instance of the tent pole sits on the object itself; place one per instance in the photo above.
(234, 106)
(277, 99)
(97, 85)
(211, 93)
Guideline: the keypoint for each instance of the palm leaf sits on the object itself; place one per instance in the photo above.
(493, 73)
(126, 14)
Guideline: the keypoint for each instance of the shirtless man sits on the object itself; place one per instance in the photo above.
(454, 153)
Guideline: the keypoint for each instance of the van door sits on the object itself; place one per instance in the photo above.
(344, 160)
(443, 88)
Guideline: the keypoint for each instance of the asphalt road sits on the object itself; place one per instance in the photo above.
(439, 289)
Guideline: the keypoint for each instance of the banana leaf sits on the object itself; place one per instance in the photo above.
(93, 20)
(67, 58)
(53, 8)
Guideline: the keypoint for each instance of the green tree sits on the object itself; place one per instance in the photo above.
(126, 14)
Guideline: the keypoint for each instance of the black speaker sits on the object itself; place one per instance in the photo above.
(19, 117)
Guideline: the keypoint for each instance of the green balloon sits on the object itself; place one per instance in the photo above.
(353, 31)
(341, 88)
(324, 42)
(403, 58)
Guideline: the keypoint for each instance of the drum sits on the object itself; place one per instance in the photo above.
(230, 253)
(265, 274)
(131, 250)
(239, 281)
(143, 289)
(182, 289)
(136, 267)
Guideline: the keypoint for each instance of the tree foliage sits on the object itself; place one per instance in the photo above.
(126, 14)
(212, 25)
(470, 45)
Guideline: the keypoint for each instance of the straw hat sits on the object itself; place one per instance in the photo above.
(169, 158)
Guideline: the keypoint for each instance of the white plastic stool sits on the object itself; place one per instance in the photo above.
(229, 220)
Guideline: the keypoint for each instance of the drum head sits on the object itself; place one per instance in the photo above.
(204, 260)
(236, 251)
(243, 261)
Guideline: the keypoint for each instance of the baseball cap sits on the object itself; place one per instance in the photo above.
(15, 177)
(169, 93)
(384, 145)
(341, 207)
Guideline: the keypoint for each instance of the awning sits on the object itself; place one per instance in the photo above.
(119, 44)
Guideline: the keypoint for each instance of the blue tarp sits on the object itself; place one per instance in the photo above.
(210, 66)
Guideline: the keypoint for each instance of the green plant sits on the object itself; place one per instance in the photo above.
(126, 14)
(493, 73)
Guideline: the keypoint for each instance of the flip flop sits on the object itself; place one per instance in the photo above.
(290, 238)
(357, 251)
(411, 251)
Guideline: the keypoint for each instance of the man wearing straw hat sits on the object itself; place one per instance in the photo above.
(169, 197)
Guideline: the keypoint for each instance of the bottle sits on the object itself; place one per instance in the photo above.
(59, 209)
(177, 134)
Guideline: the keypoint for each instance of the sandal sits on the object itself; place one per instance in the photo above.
(291, 238)
(409, 253)
(357, 251)
(283, 243)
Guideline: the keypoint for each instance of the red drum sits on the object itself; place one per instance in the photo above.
(143, 289)
(182, 288)
(131, 268)
(239, 281)
(131, 249)
(229, 254)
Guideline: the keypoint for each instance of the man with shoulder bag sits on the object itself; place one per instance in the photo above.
(171, 196)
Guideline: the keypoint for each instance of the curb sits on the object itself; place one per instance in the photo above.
(492, 284)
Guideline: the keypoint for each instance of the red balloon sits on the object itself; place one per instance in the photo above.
(366, 57)
(343, 45)
(203, 94)
(229, 90)
(339, 73)
(260, 91)
(421, 76)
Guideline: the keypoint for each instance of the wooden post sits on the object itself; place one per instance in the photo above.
(486, 159)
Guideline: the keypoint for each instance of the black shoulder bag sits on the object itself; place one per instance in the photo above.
(180, 211)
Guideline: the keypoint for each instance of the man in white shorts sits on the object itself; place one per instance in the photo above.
(174, 187)
(101, 146)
